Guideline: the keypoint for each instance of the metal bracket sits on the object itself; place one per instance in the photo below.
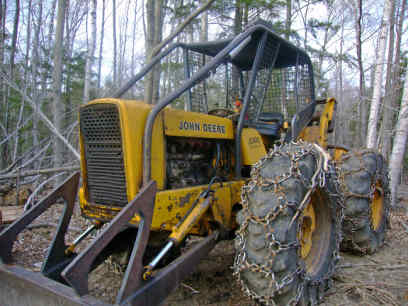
(159, 287)
(76, 273)
(56, 259)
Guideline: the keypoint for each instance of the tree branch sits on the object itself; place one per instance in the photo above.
(47, 121)
(38, 172)
(181, 27)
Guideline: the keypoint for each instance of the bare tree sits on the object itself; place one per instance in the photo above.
(362, 91)
(154, 22)
(378, 77)
(34, 73)
(115, 53)
(14, 39)
(133, 61)
(237, 29)
(57, 106)
(154, 16)
(52, 128)
(400, 140)
(91, 53)
(102, 33)
(393, 82)
(123, 40)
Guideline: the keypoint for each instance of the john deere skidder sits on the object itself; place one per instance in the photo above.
(237, 143)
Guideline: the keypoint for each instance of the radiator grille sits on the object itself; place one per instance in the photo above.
(100, 129)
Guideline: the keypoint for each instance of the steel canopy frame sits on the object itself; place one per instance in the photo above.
(246, 52)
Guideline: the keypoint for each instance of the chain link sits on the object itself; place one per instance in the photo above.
(274, 246)
(347, 193)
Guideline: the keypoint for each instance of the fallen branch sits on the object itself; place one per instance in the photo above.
(44, 118)
(403, 225)
(34, 193)
(375, 288)
(38, 172)
(40, 225)
(191, 288)
(379, 267)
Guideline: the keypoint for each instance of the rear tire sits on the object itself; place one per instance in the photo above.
(286, 251)
(364, 182)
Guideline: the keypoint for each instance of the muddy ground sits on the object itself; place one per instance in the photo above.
(379, 279)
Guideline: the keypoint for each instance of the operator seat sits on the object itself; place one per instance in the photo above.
(269, 124)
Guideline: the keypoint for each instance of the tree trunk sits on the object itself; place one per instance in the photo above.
(400, 140)
(25, 80)
(12, 67)
(14, 39)
(123, 38)
(91, 54)
(204, 26)
(235, 71)
(154, 43)
(48, 45)
(378, 77)
(133, 62)
(362, 90)
(3, 10)
(115, 53)
(393, 84)
(154, 14)
(34, 77)
(288, 20)
(6, 148)
(341, 122)
(52, 128)
(101, 44)
(57, 104)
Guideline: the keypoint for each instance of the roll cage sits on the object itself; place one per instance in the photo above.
(275, 70)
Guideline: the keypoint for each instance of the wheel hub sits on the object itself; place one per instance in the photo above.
(307, 228)
(377, 205)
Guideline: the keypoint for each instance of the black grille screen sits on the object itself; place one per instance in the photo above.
(100, 129)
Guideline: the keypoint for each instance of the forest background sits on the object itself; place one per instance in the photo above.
(58, 54)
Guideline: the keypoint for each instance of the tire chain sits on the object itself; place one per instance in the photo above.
(347, 193)
(274, 247)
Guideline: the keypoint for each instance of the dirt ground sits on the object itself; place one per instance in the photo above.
(379, 279)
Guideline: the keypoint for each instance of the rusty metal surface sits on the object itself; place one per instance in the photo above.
(76, 273)
(67, 190)
(157, 289)
(19, 287)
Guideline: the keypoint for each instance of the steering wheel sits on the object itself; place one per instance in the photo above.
(221, 112)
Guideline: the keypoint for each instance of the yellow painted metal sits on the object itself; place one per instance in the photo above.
(325, 119)
(338, 153)
(318, 133)
(307, 228)
(196, 125)
(310, 134)
(172, 205)
(377, 207)
(222, 205)
(83, 190)
(192, 218)
(158, 162)
(252, 146)
(133, 115)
